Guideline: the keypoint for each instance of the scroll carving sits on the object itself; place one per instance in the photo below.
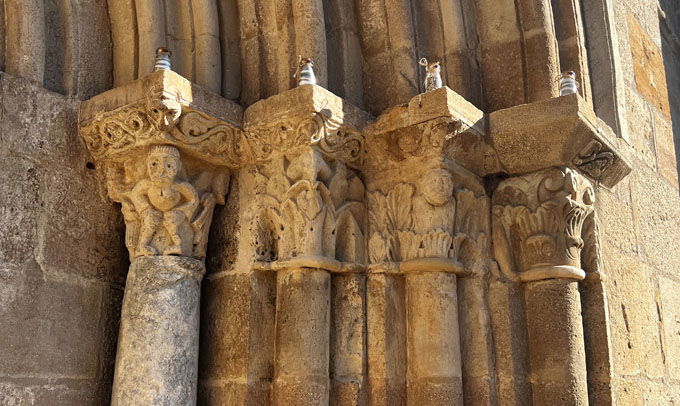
(538, 224)
(595, 160)
(167, 207)
(334, 139)
(430, 220)
(162, 121)
(309, 208)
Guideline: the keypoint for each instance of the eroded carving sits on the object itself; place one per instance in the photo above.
(162, 121)
(308, 207)
(329, 134)
(538, 224)
(430, 220)
(595, 159)
(167, 207)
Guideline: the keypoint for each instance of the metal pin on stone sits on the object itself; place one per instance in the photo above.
(162, 59)
(433, 77)
(305, 73)
(568, 83)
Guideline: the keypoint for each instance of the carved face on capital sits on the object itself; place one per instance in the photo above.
(163, 163)
(437, 186)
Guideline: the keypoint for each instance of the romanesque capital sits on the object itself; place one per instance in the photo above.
(426, 201)
(165, 157)
(309, 207)
(544, 224)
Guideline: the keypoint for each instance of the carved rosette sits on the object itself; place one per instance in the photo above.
(167, 165)
(538, 224)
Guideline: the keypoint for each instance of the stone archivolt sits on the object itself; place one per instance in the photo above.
(538, 224)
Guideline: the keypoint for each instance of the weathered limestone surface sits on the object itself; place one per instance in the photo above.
(157, 361)
(62, 244)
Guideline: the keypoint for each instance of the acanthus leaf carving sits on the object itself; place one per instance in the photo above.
(427, 221)
(319, 209)
(538, 224)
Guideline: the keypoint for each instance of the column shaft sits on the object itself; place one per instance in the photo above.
(157, 359)
(432, 338)
(556, 347)
(302, 337)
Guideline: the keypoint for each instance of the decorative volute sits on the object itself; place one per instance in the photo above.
(538, 224)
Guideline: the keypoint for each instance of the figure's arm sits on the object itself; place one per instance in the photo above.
(139, 197)
(191, 197)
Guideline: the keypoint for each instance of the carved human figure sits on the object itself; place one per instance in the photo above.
(164, 200)
(434, 208)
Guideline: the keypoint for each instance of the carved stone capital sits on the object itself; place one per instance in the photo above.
(309, 207)
(538, 224)
(436, 125)
(303, 117)
(165, 158)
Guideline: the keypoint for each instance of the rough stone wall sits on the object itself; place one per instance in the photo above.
(62, 262)
(640, 217)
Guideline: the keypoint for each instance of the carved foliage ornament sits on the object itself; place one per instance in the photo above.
(595, 159)
(306, 207)
(538, 224)
(334, 139)
(165, 121)
(430, 220)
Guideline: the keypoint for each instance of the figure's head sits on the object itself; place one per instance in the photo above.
(437, 186)
(163, 162)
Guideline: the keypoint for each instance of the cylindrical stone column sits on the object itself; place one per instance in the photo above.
(302, 337)
(157, 358)
(434, 375)
(556, 346)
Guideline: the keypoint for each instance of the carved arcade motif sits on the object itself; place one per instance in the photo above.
(538, 224)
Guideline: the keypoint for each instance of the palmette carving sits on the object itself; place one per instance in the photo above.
(308, 208)
(538, 224)
(428, 221)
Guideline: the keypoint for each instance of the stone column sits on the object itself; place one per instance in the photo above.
(157, 360)
(538, 237)
(426, 211)
(302, 337)
(433, 341)
(309, 215)
(167, 163)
